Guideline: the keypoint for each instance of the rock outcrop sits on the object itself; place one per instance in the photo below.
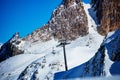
(108, 14)
(68, 21)
(10, 48)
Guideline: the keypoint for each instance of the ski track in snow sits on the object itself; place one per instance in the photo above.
(49, 60)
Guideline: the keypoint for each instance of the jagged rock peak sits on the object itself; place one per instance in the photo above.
(15, 37)
(68, 3)
(69, 20)
(10, 48)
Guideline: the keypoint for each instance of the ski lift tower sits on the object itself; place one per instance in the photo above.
(63, 43)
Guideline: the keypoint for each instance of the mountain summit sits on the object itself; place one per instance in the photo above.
(68, 20)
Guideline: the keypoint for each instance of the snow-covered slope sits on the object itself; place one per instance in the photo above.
(46, 59)
(12, 67)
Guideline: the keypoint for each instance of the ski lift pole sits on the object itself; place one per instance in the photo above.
(63, 43)
(65, 59)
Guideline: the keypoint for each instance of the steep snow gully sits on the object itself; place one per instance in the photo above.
(41, 63)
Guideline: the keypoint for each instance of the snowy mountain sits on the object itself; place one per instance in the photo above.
(46, 59)
(40, 58)
(68, 21)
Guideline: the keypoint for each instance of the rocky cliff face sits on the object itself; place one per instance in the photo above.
(10, 47)
(108, 14)
(68, 21)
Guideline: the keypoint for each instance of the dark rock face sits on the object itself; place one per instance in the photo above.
(68, 20)
(108, 14)
(9, 48)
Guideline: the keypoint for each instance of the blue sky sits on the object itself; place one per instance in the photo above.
(24, 16)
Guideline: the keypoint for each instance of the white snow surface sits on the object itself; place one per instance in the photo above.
(12, 67)
(78, 52)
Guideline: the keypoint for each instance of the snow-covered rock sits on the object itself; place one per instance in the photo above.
(68, 21)
(10, 48)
